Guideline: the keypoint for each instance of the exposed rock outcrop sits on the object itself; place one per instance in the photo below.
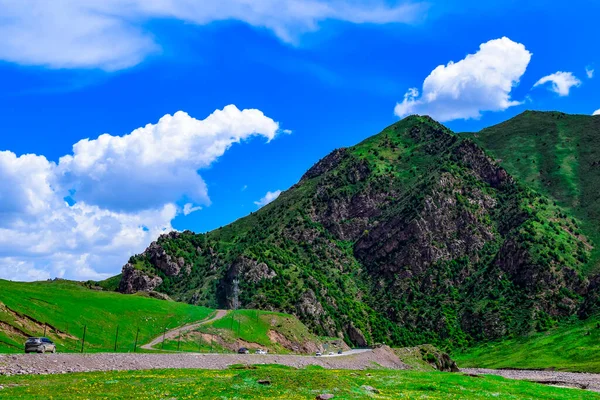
(134, 280)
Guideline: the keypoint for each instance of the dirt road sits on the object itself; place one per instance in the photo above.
(173, 333)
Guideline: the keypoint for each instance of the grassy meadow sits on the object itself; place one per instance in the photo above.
(284, 383)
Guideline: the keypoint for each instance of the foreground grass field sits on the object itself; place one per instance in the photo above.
(574, 347)
(282, 383)
(63, 308)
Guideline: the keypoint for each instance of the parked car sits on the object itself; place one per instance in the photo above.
(261, 351)
(330, 353)
(318, 354)
(340, 351)
(243, 350)
(39, 345)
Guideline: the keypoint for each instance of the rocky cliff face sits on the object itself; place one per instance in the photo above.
(412, 236)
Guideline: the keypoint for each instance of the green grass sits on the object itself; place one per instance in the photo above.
(69, 306)
(286, 383)
(573, 347)
(250, 326)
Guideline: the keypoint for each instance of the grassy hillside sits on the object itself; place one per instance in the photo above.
(66, 307)
(285, 383)
(571, 347)
(276, 332)
(556, 154)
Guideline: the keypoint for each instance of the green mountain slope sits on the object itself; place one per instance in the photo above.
(573, 346)
(556, 154)
(413, 236)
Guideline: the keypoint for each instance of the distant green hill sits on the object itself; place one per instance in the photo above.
(413, 236)
(558, 155)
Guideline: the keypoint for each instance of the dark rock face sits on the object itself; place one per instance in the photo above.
(356, 336)
(438, 359)
(250, 270)
(441, 231)
(164, 262)
(134, 281)
(328, 163)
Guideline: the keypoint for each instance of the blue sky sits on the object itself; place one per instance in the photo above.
(331, 72)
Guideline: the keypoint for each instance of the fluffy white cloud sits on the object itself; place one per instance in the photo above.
(269, 197)
(111, 179)
(111, 34)
(157, 164)
(562, 82)
(589, 72)
(597, 112)
(480, 82)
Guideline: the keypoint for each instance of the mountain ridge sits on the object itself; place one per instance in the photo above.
(413, 235)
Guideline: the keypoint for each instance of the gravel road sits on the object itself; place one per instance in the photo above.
(555, 378)
(19, 364)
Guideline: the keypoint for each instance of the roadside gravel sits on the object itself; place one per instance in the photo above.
(20, 364)
(555, 378)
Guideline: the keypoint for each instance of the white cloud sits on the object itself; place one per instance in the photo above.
(189, 208)
(127, 190)
(112, 34)
(589, 72)
(157, 163)
(269, 197)
(597, 112)
(562, 82)
(480, 82)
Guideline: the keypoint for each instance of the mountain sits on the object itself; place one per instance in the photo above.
(413, 236)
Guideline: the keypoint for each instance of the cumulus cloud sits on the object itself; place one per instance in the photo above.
(589, 71)
(157, 163)
(597, 112)
(110, 179)
(112, 34)
(269, 197)
(480, 82)
(562, 82)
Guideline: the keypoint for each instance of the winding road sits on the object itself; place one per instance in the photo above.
(173, 333)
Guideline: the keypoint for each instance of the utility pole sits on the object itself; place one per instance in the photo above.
(136, 340)
(162, 345)
(116, 338)
(83, 340)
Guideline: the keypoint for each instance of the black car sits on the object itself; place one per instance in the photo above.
(243, 350)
